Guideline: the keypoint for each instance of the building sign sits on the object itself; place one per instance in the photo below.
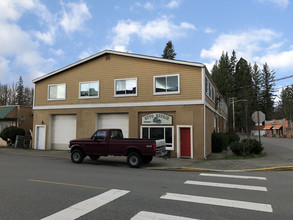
(157, 119)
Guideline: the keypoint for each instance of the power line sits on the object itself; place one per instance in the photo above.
(286, 77)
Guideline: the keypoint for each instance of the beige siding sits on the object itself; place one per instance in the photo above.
(120, 67)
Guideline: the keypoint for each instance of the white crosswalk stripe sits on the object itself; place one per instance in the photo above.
(219, 202)
(86, 206)
(233, 176)
(143, 215)
(225, 185)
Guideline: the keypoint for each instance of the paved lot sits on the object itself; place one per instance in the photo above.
(279, 157)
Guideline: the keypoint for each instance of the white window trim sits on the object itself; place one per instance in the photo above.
(56, 85)
(172, 127)
(165, 93)
(125, 95)
(89, 97)
(213, 90)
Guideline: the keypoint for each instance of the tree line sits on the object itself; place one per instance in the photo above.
(251, 88)
(16, 94)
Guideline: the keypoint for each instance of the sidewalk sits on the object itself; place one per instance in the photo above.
(279, 157)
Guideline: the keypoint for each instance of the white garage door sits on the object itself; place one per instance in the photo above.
(114, 121)
(63, 130)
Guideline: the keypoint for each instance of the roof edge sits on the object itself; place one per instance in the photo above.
(189, 63)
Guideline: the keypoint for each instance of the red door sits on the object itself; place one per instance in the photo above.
(185, 142)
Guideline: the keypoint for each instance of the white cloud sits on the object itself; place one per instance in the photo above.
(74, 15)
(156, 29)
(280, 3)
(209, 30)
(278, 60)
(173, 4)
(246, 43)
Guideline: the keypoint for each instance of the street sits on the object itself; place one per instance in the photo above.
(39, 187)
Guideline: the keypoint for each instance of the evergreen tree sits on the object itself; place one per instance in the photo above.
(285, 107)
(243, 83)
(256, 85)
(20, 92)
(266, 93)
(169, 52)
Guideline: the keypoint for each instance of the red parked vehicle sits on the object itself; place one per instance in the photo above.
(106, 142)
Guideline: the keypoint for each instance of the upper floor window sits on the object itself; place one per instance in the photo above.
(210, 90)
(57, 92)
(126, 87)
(166, 84)
(89, 89)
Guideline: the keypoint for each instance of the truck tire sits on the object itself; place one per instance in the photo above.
(94, 157)
(77, 156)
(147, 159)
(134, 160)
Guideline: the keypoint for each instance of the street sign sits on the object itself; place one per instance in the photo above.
(258, 117)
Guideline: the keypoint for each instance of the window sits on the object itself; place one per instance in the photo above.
(126, 87)
(100, 135)
(162, 132)
(57, 92)
(166, 84)
(210, 90)
(89, 89)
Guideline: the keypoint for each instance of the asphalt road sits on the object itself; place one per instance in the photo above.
(36, 187)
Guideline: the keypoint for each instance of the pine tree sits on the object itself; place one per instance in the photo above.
(266, 93)
(169, 52)
(20, 92)
(256, 85)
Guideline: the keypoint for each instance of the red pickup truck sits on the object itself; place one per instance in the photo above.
(106, 142)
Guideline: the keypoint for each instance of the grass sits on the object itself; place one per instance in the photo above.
(235, 157)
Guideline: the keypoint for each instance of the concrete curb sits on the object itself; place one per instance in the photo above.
(190, 169)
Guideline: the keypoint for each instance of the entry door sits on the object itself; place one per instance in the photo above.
(40, 137)
(185, 142)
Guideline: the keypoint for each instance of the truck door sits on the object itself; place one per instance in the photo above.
(99, 145)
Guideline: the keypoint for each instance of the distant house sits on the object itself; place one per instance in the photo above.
(279, 128)
(256, 129)
(16, 115)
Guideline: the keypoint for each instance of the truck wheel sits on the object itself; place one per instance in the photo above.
(134, 160)
(147, 159)
(94, 157)
(77, 156)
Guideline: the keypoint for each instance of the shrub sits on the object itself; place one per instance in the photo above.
(233, 137)
(246, 147)
(219, 142)
(10, 133)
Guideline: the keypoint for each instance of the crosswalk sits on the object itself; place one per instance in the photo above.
(84, 207)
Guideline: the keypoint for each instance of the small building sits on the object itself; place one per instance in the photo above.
(147, 97)
(279, 128)
(16, 115)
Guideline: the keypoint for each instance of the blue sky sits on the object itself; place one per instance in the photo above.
(38, 37)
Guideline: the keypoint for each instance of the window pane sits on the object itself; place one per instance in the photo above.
(94, 89)
(168, 135)
(60, 91)
(157, 133)
(131, 86)
(172, 83)
(145, 133)
(120, 86)
(53, 92)
(160, 84)
(84, 89)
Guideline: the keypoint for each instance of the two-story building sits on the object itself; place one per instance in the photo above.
(147, 97)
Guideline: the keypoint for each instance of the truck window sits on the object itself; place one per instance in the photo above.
(116, 134)
(100, 135)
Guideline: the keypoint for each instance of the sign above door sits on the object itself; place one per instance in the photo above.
(157, 119)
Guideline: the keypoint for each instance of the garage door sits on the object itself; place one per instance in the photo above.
(114, 121)
(63, 130)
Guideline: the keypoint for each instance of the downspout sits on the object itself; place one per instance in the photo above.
(204, 112)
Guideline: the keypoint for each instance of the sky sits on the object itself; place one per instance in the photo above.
(40, 36)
